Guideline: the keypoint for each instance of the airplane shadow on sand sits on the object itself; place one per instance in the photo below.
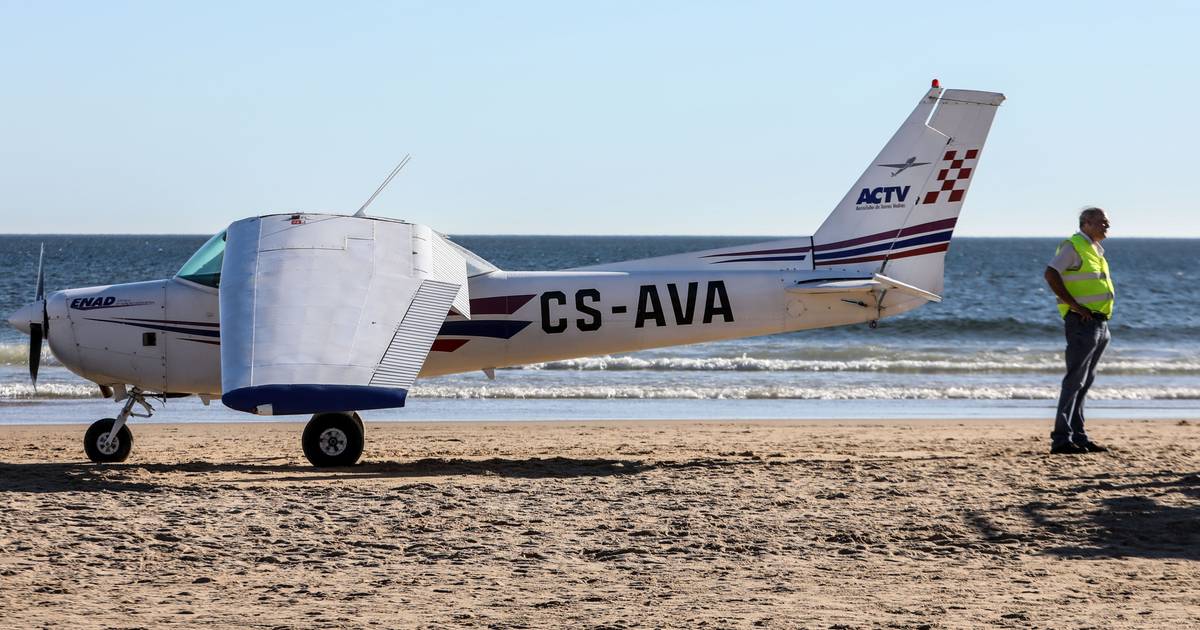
(87, 477)
(1149, 515)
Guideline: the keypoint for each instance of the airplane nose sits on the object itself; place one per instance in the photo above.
(26, 315)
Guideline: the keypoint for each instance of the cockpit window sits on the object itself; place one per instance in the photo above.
(204, 267)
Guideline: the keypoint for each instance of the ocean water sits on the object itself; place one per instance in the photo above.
(993, 348)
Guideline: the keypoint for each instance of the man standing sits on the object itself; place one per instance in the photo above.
(1078, 275)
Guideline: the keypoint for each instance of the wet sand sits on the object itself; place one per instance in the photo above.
(605, 524)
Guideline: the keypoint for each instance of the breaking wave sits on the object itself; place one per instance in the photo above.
(18, 354)
(48, 391)
(57, 391)
(1010, 328)
(601, 392)
(830, 360)
(1047, 364)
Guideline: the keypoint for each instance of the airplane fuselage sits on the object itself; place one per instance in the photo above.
(164, 336)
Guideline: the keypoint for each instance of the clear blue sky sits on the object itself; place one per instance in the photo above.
(569, 117)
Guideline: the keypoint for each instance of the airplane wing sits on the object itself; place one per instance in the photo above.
(899, 165)
(327, 313)
(860, 284)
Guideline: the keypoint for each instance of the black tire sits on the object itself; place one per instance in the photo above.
(107, 455)
(333, 439)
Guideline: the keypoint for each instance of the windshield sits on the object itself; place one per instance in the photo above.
(204, 267)
(476, 265)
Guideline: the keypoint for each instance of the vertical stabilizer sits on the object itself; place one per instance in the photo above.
(898, 217)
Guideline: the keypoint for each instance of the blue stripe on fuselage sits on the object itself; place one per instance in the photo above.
(496, 328)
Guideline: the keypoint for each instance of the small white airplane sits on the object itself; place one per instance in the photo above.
(904, 166)
(323, 314)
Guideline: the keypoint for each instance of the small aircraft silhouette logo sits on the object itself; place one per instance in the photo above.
(907, 164)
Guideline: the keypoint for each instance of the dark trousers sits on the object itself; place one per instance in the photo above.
(1086, 341)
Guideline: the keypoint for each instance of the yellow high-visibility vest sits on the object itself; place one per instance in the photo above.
(1090, 285)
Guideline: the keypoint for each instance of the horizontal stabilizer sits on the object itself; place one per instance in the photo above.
(862, 284)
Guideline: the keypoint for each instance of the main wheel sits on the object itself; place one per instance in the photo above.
(98, 447)
(333, 439)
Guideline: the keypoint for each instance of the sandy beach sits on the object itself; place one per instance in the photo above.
(606, 524)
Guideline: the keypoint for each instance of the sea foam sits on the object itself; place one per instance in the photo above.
(784, 392)
(1040, 364)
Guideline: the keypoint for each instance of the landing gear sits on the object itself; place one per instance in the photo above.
(333, 439)
(109, 440)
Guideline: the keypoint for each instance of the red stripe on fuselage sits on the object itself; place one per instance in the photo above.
(447, 345)
(499, 305)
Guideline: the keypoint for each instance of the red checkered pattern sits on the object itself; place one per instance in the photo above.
(953, 175)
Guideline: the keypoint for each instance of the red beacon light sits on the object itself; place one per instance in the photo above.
(936, 84)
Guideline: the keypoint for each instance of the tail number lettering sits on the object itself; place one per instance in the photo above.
(681, 309)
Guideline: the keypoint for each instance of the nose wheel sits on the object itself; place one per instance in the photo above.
(102, 446)
(333, 439)
(109, 440)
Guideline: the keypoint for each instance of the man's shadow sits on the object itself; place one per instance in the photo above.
(1157, 515)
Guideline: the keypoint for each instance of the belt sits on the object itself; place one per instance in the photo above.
(1095, 315)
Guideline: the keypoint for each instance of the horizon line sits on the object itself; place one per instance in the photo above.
(605, 235)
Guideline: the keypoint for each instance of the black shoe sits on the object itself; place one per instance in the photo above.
(1093, 447)
(1067, 449)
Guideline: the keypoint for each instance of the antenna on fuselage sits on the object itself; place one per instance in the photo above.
(362, 211)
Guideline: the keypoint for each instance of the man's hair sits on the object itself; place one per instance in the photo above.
(1090, 212)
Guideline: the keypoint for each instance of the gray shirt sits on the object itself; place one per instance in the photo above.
(1067, 259)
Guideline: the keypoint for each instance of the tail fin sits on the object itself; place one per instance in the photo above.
(898, 217)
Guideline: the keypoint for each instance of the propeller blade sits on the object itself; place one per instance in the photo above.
(35, 351)
(41, 279)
